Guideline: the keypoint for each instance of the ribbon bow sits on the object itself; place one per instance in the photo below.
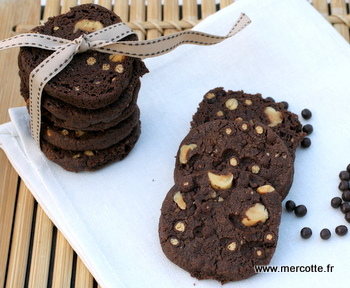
(66, 49)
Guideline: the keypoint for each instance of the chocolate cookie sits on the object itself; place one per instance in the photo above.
(77, 140)
(92, 79)
(230, 105)
(250, 147)
(91, 160)
(220, 224)
(95, 127)
(70, 117)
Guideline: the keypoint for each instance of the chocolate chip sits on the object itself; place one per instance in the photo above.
(346, 195)
(341, 230)
(306, 113)
(306, 142)
(345, 207)
(306, 233)
(348, 168)
(347, 217)
(344, 175)
(300, 211)
(290, 205)
(285, 104)
(270, 99)
(343, 185)
(308, 129)
(325, 234)
(336, 202)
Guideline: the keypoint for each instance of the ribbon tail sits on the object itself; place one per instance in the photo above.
(165, 44)
(38, 78)
(33, 40)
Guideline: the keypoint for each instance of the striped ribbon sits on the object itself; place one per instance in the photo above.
(66, 49)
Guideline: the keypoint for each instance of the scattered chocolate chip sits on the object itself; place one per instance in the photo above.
(300, 211)
(341, 230)
(343, 185)
(290, 205)
(285, 104)
(348, 168)
(270, 99)
(308, 129)
(344, 175)
(336, 202)
(345, 207)
(306, 113)
(306, 233)
(306, 142)
(347, 217)
(325, 234)
(346, 195)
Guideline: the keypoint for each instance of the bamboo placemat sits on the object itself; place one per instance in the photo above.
(33, 253)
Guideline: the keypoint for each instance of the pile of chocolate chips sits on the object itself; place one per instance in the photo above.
(344, 186)
(342, 202)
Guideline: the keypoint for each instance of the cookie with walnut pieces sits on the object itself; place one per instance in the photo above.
(92, 79)
(91, 160)
(68, 116)
(230, 105)
(77, 140)
(220, 144)
(220, 224)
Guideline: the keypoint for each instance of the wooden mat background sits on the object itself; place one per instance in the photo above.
(33, 253)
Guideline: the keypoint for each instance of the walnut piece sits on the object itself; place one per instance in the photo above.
(88, 25)
(275, 117)
(180, 226)
(220, 181)
(265, 189)
(179, 200)
(232, 246)
(184, 150)
(116, 58)
(255, 214)
(231, 104)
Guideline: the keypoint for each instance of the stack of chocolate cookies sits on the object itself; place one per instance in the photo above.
(221, 218)
(90, 116)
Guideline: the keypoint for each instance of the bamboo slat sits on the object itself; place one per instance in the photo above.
(190, 11)
(208, 8)
(9, 179)
(225, 3)
(20, 239)
(63, 263)
(105, 3)
(321, 6)
(121, 8)
(83, 276)
(66, 4)
(154, 14)
(86, 1)
(171, 15)
(40, 261)
(52, 8)
(9, 97)
(137, 15)
(338, 7)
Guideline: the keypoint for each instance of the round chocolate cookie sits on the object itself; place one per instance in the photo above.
(92, 79)
(77, 140)
(230, 105)
(70, 117)
(126, 113)
(91, 160)
(239, 144)
(220, 224)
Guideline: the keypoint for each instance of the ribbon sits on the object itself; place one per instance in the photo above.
(106, 40)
